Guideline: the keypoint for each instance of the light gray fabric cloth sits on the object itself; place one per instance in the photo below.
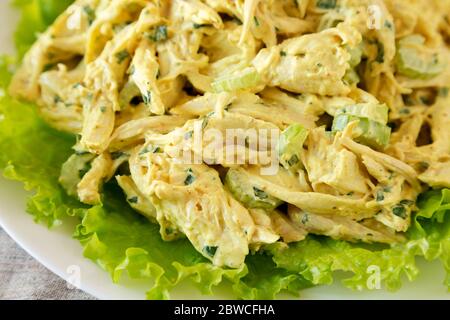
(23, 278)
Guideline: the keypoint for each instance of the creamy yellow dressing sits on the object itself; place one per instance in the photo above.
(136, 78)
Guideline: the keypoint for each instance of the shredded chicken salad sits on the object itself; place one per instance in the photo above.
(356, 89)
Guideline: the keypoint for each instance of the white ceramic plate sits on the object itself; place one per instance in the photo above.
(60, 253)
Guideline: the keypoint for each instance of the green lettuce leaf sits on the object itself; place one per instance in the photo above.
(35, 16)
(317, 258)
(27, 157)
(113, 235)
(30, 24)
(121, 241)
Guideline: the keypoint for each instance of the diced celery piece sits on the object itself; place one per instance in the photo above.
(351, 77)
(356, 56)
(290, 146)
(368, 132)
(245, 79)
(246, 193)
(375, 112)
(412, 63)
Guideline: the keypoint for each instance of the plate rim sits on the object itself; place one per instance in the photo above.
(8, 17)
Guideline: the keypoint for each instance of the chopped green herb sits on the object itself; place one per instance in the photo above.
(399, 211)
(407, 202)
(90, 13)
(203, 25)
(260, 193)
(133, 200)
(156, 150)
(423, 165)
(49, 66)
(283, 53)
(132, 69)
(305, 218)
(103, 109)
(405, 111)
(159, 34)
(121, 56)
(117, 155)
(293, 161)
(190, 178)
(443, 92)
(82, 172)
(57, 99)
(147, 97)
(237, 20)
(81, 152)
(388, 25)
(206, 121)
(210, 250)
(326, 4)
(380, 196)
(425, 100)
(380, 54)
(256, 21)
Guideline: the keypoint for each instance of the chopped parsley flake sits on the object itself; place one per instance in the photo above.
(210, 250)
(305, 218)
(399, 211)
(202, 25)
(380, 196)
(133, 200)
(90, 13)
(147, 97)
(159, 34)
(121, 56)
(117, 155)
(326, 4)
(190, 178)
(260, 193)
(293, 160)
